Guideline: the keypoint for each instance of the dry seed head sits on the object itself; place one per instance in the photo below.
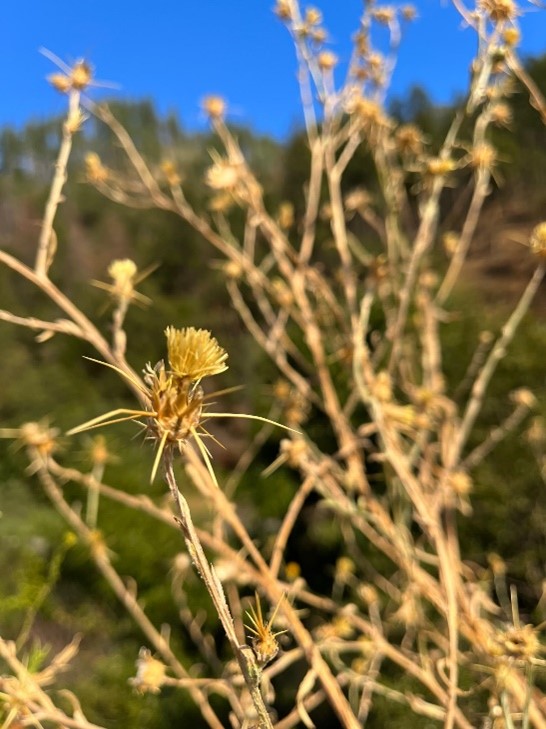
(409, 139)
(220, 203)
(233, 270)
(123, 272)
(176, 404)
(285, 215)
(498, 10)
(293, 451)
(511, 36)
(450, 241)
(98, 451)
(94, 169)
(460, 482)
(370, 112)
(384, 15)
(408, 12)
(170, 172)
(81, 75)
(223, 175)
(327, 60)
(282, 293)
(318, 36)
(194, 353)
(215, 107)
(523, 396)
(439, 166)
(483, 156)
(382, 387)
(150, 673)
(501, 114)
(519, 643)
(368, 594)
(283, 10)
(357, 199)
(264, 641)
(60, 82)
(537, 241)
(39, 436)
(313, 16)
(292, 571)
(345, 568)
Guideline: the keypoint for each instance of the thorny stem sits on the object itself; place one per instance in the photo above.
(243, 654)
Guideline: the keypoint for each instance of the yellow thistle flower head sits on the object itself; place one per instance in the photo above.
(194, 353)
(123, 273)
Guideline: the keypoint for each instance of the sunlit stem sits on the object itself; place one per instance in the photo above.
(93, 495)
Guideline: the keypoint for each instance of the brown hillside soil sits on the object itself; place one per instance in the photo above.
(499, 262)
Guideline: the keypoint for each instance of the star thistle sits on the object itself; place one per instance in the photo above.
(173, 397)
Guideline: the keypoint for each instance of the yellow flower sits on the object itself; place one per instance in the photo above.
(172, 399)
(194, 353)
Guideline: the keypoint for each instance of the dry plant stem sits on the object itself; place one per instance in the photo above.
(275, 593)
(243, 654)
(85, 329)
(38, 703)
(481, 190)
(429, 516)
(423, 240)
(496, 436)
(30, 322)
(537, 98)
(125, 596)
(498, 351)
(45, 252)
(288, 523)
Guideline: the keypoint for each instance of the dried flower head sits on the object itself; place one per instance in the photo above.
(409, 139)
(384, 14)
(408, 12)
(150, 673)
(313, 16)
(285, 215)
(60, 82)
(125, 277)
(511, 36)
(94, 169)
(76, 78)
(537, 240)
(264, 642)
(283, 10)
(215, 107)
(501, 114)
(498, 10)
(171, 173)
(440, 166)
(517, 643)
(224, 175)
(81, 75)
(172, 399)
(327, 60)
(483, 156)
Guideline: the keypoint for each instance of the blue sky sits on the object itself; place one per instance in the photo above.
(177, 51)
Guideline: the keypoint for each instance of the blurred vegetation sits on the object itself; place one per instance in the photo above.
(39, 568)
